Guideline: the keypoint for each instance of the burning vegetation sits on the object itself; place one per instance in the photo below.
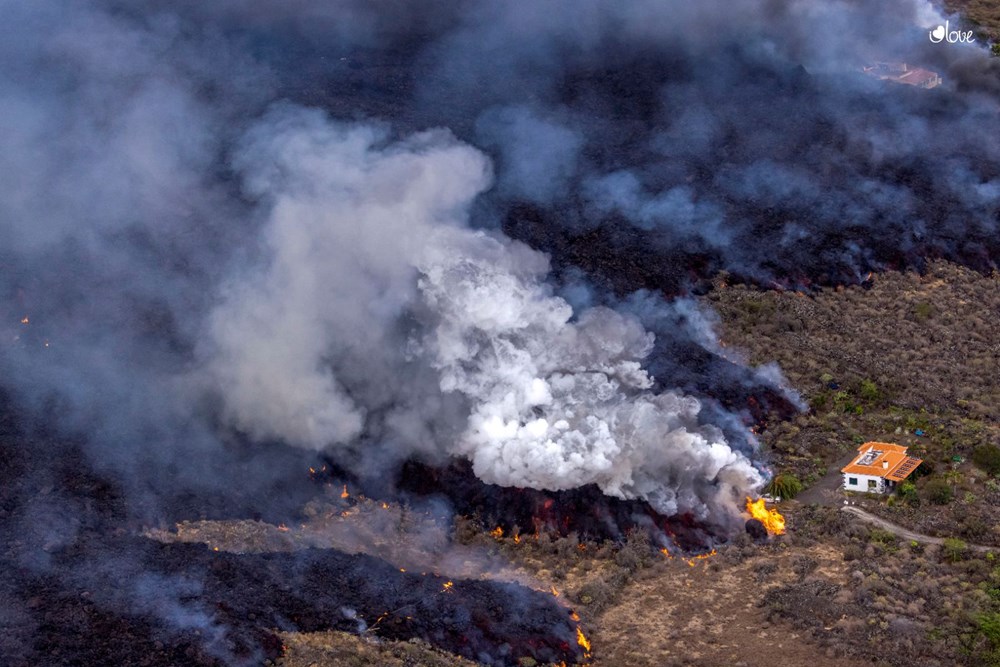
(773, 521)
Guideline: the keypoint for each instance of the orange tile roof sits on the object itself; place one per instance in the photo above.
(882, 459)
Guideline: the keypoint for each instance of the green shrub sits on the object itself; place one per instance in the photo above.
(923, 311)
(785, 485)
(938, 491)
(987, 457)
(869, 391)
(954, 549)
(989, 627)
(907, 491)
(880, 536)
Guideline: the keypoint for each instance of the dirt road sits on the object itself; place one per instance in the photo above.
(905, 533)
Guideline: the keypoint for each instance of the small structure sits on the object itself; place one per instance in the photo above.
(903, 73)
(878, 467)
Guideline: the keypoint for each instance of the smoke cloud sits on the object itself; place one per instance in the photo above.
(471, 229)
(375, 304)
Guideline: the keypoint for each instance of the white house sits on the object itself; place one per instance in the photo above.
(878, 467)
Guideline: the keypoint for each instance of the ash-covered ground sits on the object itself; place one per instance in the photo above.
(490, 261)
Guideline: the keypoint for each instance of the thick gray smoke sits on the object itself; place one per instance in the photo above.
(455, 230)
(374, 296)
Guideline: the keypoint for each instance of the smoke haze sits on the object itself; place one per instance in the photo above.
(387, 230)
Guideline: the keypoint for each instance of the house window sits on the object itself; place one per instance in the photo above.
(852, 481)
(872, 484)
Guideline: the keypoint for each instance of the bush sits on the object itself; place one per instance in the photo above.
(785, 485)
(938, 491)
(987, 457)
(635, 553)
(954, 549)
(869, 391)
(907, 491)
(923, 311)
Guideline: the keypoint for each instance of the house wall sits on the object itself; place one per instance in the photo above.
(862, 483)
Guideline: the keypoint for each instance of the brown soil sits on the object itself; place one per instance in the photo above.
(710, 614)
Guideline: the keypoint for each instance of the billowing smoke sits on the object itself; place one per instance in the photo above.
(460, 230)
(375, 306)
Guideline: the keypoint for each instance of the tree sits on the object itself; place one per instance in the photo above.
(785, 485)
(995, 49)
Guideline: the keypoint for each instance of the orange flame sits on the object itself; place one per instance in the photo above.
(691, 561)
(582, 640)
(447, 586)
(666, 552)
(497, 532)
(554, 591)
(344, 493)
(771, 518)
(282, 527)
(25, 320)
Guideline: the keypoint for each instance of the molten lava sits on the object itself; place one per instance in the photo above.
(771, 518)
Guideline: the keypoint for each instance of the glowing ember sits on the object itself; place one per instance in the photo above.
(582, 640)
(344, 493)
(711, 553)
(771, 518)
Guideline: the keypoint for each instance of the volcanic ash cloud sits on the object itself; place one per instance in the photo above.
(374, 308)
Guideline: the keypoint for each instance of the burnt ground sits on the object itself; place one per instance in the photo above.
(226, 584)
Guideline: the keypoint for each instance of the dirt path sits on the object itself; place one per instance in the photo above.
(826, 491)
(905, 533)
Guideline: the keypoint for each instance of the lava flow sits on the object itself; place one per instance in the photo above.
(771, 518)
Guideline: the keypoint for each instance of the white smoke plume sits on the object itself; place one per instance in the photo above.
(374, 293)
